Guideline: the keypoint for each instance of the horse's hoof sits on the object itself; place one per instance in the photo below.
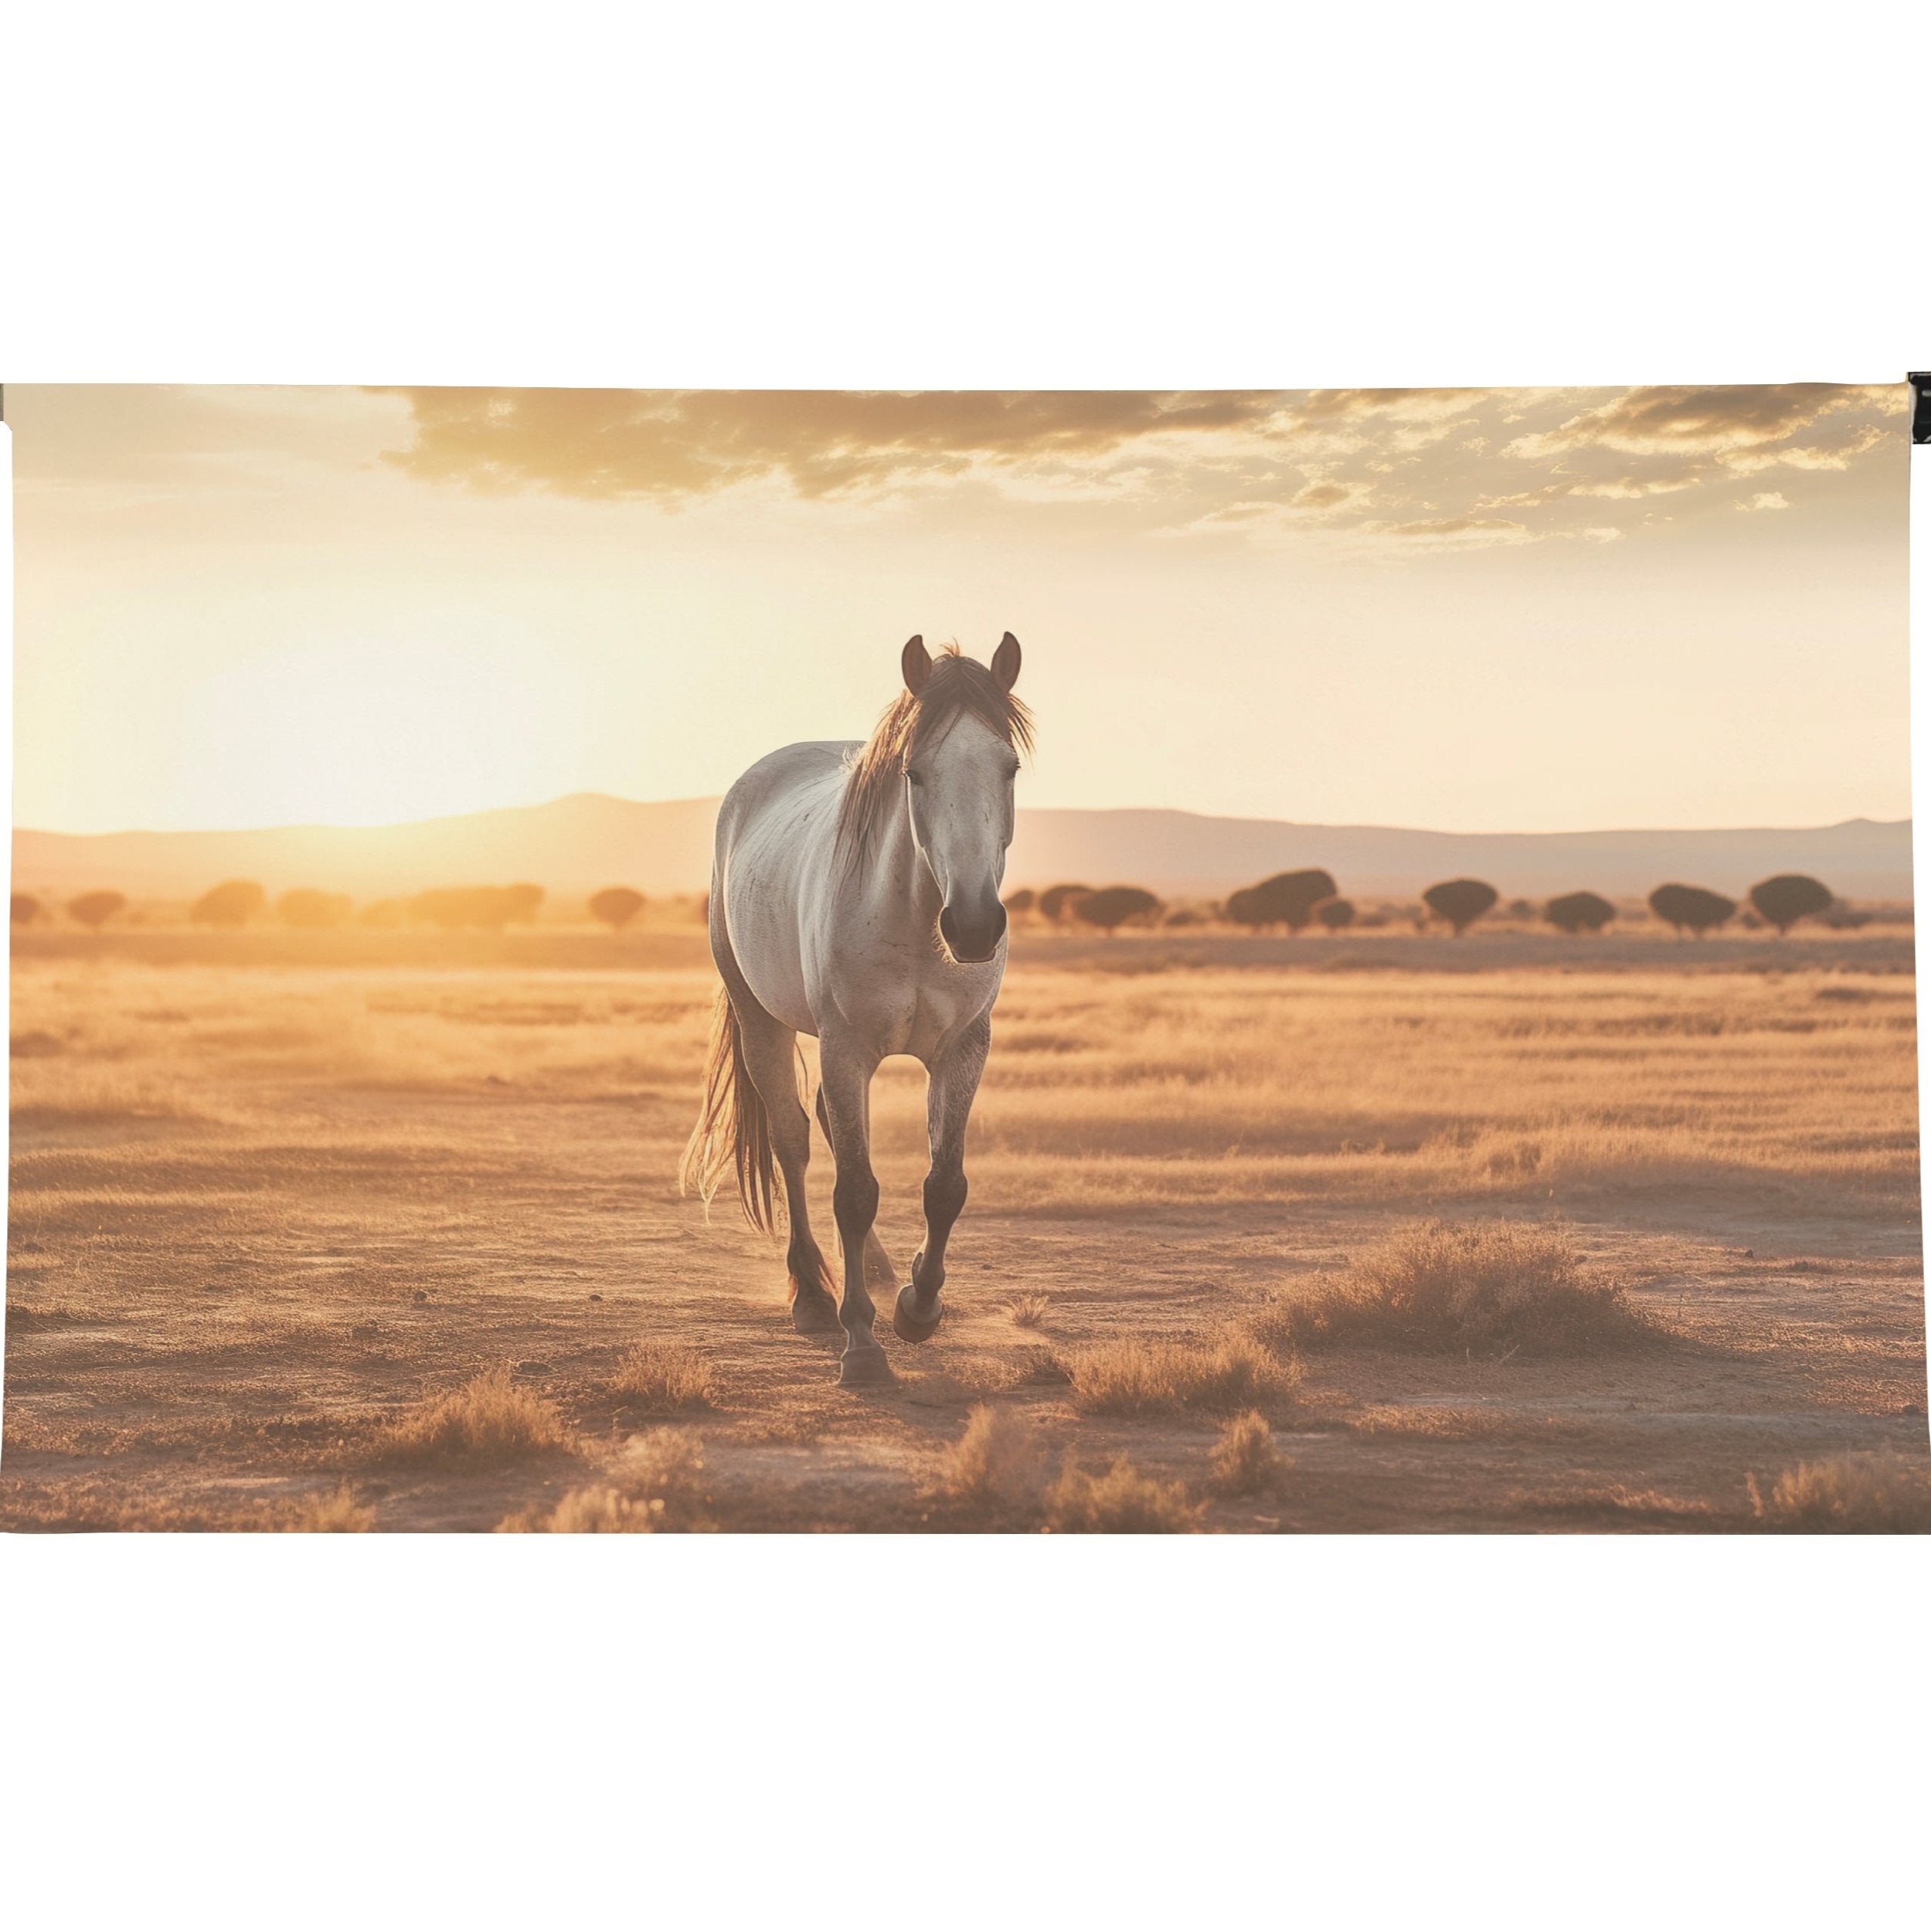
(908, 1327)
(814, 1314)
(865, 1368)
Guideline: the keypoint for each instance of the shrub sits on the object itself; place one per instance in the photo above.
(1056, 901)
(1028, 1310)
(1460, 902)
(1494, 1285)
(1335, 915)
(1020, 901)
(232, 903)
(1233, 1369)
(94, 909)
(1245, 1461)
(1288, 899)
(1116, 907)
(337, 1515)
(522, 903)
(995, 1463)
(654, 1485)
(616, 906)
(1790, 896)
(311, 910)
(1121, 1503)
(1854, 1495)
(596, 1510)
(655, 1376)
(26, 909)
(1579, 912)
(386, 913)
(487, 1419)
(1691, 909)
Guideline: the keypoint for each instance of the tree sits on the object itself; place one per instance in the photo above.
(1789, 897)
(26, 909)
(1020, 901)
(522, 902)
(94, 909)
(446, 906)
(1579, 912)
(1056, 901)
(311, 910)
(1691, 908)
(1115, 907)
(1288, 899)
(616, 906)
(385, 914)
(232, 903)
(1336, 915)
(1460, 901)
(1521, 909)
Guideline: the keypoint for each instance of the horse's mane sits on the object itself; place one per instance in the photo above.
(954, 686)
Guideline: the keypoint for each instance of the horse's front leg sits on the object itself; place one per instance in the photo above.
(845, 1068)
(954, 1081)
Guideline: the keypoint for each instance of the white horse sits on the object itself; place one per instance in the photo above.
(854, 897)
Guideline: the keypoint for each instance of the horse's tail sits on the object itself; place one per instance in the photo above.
(734, 1129)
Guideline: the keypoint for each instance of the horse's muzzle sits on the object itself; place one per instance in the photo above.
(972, 939)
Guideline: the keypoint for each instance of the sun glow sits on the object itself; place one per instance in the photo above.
(367, 733)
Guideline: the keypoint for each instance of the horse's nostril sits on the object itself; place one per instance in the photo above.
(972, 943)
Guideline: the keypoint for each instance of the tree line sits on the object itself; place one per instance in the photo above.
(1293, 901)
(236, 903)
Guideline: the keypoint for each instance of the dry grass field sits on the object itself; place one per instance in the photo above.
(370, 1232)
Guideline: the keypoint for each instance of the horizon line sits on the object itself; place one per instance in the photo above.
(1180, 811)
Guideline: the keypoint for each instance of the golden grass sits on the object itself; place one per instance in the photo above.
(489, 1419)
(1123, 1502)
(597, 1510)
(656, 1484)
(1107, 1090)
(1853, 1495)
(1028, 1310)
(1231, 1369)
(1497, 1286)
(1244, 1461)
(337, 1513)
(665, 1377)
(996, 1465)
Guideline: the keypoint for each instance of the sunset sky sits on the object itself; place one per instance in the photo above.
(1467, 609)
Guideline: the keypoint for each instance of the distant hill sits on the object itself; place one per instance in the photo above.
(573, 845)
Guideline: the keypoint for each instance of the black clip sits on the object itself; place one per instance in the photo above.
(1920, 381)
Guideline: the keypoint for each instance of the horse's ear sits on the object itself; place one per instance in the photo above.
(915, 665)
(1005, 662)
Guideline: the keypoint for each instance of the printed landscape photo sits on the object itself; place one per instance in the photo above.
(1365, 939)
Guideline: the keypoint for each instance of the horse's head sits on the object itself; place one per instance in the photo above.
(961, 756)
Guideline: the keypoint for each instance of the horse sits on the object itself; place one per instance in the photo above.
(855, 897)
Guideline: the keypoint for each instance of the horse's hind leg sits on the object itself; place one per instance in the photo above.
(770, 1056)
(949, 1097)
(880, 1272)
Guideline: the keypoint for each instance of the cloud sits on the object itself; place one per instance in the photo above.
(668, 443)
(1766, 500)
(1465, 531)
(1687, 421)
(1406, 469)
